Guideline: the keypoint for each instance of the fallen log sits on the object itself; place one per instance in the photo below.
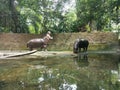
(19, 54)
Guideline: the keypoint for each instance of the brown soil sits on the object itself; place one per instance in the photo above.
(63, 41)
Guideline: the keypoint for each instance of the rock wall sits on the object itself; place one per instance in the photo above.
(62, 41)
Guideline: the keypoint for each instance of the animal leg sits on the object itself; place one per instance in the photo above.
(44, 47)
(30, 48)
(86, 48)
(79, 50)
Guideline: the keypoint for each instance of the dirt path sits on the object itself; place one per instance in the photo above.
(53, 53)
(34, 53)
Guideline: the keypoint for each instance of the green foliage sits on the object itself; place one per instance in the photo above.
(38, 16)
(43, 15)
(102, 12)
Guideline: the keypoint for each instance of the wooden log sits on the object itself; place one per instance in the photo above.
(19, 54)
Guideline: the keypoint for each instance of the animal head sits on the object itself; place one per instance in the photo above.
(75, 46)
(48, 32)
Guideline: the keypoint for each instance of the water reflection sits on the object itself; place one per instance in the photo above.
(84, 72)
(81, 60)
(101, 72)
(67, 86)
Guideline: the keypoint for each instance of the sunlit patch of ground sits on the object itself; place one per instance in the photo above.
(9, 54)
(53, 53)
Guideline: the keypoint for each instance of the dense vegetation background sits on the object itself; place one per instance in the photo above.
(39, 16)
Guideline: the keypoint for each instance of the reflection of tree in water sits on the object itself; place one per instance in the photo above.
(102, 71)
(103, 61)
(81, 60)
(98, 72)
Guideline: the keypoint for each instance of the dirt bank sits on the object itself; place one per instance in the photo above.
(62, 41)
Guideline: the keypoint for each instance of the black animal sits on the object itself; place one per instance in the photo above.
(80, 43)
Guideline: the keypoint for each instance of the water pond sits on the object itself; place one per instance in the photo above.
(83, 72)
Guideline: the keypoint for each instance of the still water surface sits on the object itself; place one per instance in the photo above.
(85, 72)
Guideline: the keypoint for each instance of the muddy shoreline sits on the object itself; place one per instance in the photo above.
(6, 54)
(10, 54)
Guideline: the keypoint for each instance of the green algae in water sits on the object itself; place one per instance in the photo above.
(91, 72)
